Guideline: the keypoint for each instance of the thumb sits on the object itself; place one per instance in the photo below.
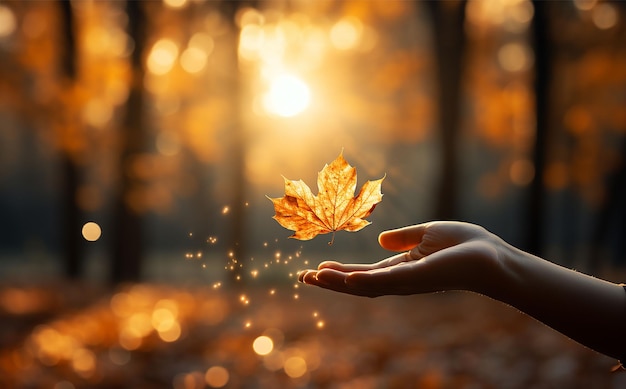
(402, 239)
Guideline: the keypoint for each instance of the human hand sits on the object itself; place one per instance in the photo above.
(436, 256)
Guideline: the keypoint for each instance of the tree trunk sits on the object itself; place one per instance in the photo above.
(448, 19)
(128, 239)
(541, 44)
(73, 245)
(612, 210)
(237, 152)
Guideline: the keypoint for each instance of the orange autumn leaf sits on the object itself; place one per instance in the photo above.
(334, 208)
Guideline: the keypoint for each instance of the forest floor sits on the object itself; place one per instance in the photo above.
(70, 336)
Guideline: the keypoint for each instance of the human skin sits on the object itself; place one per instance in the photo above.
(443, 256)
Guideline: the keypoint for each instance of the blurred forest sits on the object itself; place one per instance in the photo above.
(160, 120)
(139, 139)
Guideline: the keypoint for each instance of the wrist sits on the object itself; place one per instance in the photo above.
(504, 270)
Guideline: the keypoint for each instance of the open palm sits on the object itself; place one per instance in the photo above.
(435, 256)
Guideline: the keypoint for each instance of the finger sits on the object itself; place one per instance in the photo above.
(336, 281)
(302, 274)
(309, 277)
(331, 276)
(351, 267)
(453, 268)
(388, 281)
(402, 239)
(329, 265)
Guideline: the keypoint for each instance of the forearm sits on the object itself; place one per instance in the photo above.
(586, 309)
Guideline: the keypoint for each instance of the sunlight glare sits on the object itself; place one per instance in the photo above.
(287, 96)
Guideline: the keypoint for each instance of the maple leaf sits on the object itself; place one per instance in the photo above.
(334, 208)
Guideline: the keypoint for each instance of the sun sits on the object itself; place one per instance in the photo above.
(287, 96)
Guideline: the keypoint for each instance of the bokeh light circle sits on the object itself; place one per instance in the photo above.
(91, 231)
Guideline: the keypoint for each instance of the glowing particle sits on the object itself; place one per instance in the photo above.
(295, 367)
(119, 356)
(175, 3)
(129, 339)
(605, 16)
(272, 292)
(585, 5)
(263, 345)
(320, 324)
(346, 33)
(171, 334)
(247, 324)
(193, 59)
(296, 296)
(204, 265)
(217, 285)
(514, 57)
(254, 273)
(91, 231)
(216, 376)
(83, 362)
(163, 319)
(315, 314)
(225, 210)
(162, 56)
(8, 21)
